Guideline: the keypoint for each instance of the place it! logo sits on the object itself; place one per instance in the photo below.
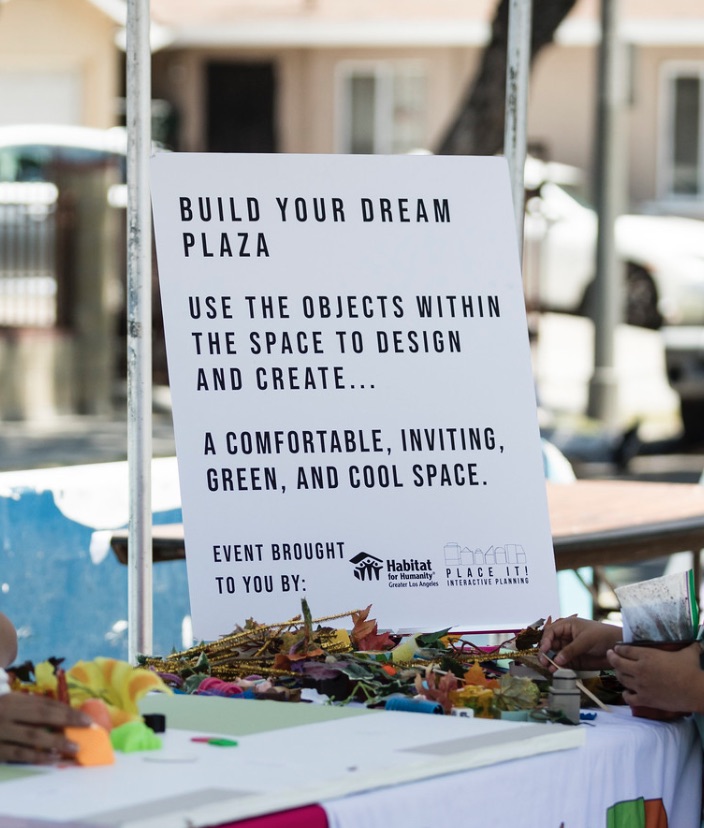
(367, 567)
(495, 566)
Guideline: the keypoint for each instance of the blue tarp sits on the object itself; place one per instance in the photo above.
(62, 602)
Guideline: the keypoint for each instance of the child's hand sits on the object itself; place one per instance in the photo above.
(671, 681)
(31, 728)
(578, 643)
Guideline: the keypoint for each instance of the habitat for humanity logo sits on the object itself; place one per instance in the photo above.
(367, 567)
(405, 572)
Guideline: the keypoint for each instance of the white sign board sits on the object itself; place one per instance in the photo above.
(354, 409)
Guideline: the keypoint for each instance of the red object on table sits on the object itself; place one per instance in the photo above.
(310, 816)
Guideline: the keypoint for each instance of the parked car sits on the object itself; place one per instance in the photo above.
(662, 260)
(662, 256)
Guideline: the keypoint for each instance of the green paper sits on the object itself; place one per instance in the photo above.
(9, 773)
(241, 717)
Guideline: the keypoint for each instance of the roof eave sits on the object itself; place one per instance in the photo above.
(654, 32)
(331, 34)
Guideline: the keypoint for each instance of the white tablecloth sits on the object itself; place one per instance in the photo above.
(625, 759)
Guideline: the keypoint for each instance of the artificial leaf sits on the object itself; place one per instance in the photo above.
(432, 639)
(361, 630)
(530, 636)
(304, 654)
(361, 627)
(360, 615)
(282, 662)
(355, 670)
(202, 665)
(439, 689)
(475, 676)
(376, 641)
(307, 626)
(451, 665)
(516, 693)
(365, 635)
(193, 682)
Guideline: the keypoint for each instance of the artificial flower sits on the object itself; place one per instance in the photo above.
(480, 699)
(117, 683)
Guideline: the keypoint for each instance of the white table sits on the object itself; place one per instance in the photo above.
(357, 768)
(624, 759)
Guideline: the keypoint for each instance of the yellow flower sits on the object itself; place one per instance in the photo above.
(117, 683)
(481, 699)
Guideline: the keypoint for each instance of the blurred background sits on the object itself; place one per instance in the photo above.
(351, 76)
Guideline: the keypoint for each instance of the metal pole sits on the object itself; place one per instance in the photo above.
(608, 183)
(139, 329)
(515, 124)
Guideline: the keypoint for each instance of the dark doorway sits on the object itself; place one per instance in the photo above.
(241, 107)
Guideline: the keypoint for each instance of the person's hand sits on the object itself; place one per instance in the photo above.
(31, 728)
(578, 643)
(670, 681)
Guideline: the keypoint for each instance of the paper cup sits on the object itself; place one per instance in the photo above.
(655, 712)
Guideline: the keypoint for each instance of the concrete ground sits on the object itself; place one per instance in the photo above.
(76, 440)
(563, 356)
(645, 441)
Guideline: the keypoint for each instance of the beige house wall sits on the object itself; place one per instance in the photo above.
(307, 95)
(447, 70)
(562, 111)
(649, 138)
(65, 36)
(561, 104)
(645, 128)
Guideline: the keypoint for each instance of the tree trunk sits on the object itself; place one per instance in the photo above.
(478, 128)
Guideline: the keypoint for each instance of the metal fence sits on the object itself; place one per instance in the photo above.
(35, 244)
